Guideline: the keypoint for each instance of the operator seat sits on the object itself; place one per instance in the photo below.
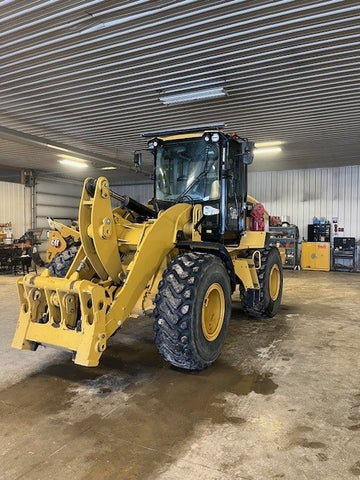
(215, 190)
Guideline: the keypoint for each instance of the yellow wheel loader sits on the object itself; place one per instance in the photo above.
(178, 259)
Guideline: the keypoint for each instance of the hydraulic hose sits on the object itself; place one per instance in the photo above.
(125, 200)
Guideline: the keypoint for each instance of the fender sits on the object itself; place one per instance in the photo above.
(214, 248)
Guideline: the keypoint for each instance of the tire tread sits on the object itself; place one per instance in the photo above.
(173, 307)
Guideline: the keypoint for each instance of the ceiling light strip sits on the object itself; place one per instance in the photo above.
(73, 163)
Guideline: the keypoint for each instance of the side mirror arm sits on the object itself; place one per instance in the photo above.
(137, 161)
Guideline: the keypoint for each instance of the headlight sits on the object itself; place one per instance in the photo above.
(152, 144)
(215, 137)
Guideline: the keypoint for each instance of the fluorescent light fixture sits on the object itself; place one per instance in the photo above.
(57, 148)
(72, 161)
(70, 157)
(258, 151)
(192, 95)
(108, 168)
(275, 143)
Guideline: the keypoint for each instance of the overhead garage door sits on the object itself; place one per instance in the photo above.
(56, 199)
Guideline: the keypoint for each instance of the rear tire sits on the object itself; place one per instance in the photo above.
(270, 277)
(192, 310)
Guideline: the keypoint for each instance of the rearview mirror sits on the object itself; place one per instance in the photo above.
(247, 158)
(248, 152)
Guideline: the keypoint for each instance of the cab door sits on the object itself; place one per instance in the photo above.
(236, 191)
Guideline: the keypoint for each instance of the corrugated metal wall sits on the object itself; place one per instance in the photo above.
(15, 207)
(317, 192)
(141, 192)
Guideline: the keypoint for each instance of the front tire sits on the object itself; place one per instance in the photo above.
(192, 310)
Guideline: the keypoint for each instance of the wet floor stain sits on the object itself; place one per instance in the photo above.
(254, 382)
(355, 469)
(165, 411)
(136, 403)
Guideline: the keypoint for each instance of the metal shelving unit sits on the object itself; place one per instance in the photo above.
(344, 254)
(286, 238)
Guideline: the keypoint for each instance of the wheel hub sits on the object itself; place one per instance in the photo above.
(274, 282)
(213, 311)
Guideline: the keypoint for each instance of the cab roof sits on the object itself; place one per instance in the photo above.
(181, 131)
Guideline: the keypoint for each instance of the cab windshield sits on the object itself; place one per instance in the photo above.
(187, 170)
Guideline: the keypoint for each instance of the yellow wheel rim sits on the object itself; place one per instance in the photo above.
(274, 282)
(213, 311)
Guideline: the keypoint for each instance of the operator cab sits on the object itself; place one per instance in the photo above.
(187, 170)
(203, 165)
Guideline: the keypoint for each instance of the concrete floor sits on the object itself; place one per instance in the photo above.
(282, 401)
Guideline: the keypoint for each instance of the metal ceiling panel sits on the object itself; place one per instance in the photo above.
(88, 75)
